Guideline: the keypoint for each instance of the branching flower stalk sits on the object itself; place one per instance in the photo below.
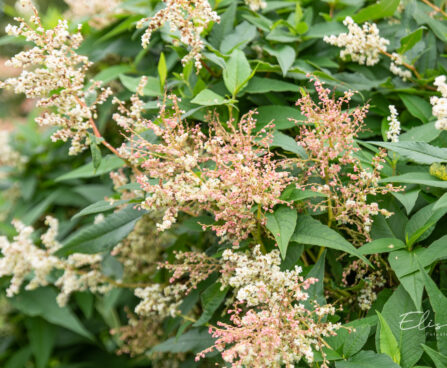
(56, 75)
(228, 173)
(364, 45)
(270, 324)
(332, 167)
(188, 17)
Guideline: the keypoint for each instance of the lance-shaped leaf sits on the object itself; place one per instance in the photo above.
(281, 224)
(313, 232)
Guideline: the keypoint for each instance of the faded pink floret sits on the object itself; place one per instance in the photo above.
(227, 172)
(270, 324)
(193, 268)
(328, 137)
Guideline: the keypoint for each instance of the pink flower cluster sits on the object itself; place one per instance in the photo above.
(55, 74)
(193, 268)
(229, 172)
(270, 324)
(333, 167)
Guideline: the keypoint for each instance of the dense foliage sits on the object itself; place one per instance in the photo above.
(233, 183)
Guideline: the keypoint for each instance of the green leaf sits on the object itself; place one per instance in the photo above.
(211, 299)
(265, 85)
(42, 302)
(382, 9)
(417, 106)
(316, 291)
(122, 27)
(281, 224)
(285, 55)
(319, 30)
(313, 232)
(407, 42)
(294, 252)
(207, 97)
(422, 133)
(421, 224)
(19, 358)
(355, 340)
(438, 302)
(162, 71)
(237, 72)
(421, 178)
(108, 163)
(419, 152)
(242, 35)
(439, 359)
(383, 245)
(95, 151)
(194, 340)
(441, 202)
(109, 74)
(367, 359)
(103, 236)
(42, 337)
(407, 262)
(98, 207)
(39, 209)
(85, 300)
(422, 16)
(293, 194)
(220, 30)
(388, 343)
(280, 115)
(409, 340)
(408, 199)
(287, 144)
(152, 87)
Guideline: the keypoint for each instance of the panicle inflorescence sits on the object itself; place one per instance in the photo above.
(394, 125)
(364, 45)
(100, 12)
(227, 173)
(256, 5)
(371, 281)
(188, 17)
(440, 103)
(142, 250)
(21, 258)
(270, 324)
(55, 74)
(328, 137)
(8, 155)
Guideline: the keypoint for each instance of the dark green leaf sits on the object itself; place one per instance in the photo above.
(211, 298)
(281, 224)
(42, 337)
(417, 106)
(42, 302)
(310, 231)
(407, 42)
(99, 237)
(108, 163)
(209, 98)
(194, 340)
(367, 359)
(388, 344)
(237, 72)
(382, 9)
(419, 152)
(383, 245)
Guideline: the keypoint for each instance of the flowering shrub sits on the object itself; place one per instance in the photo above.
(223, 183)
